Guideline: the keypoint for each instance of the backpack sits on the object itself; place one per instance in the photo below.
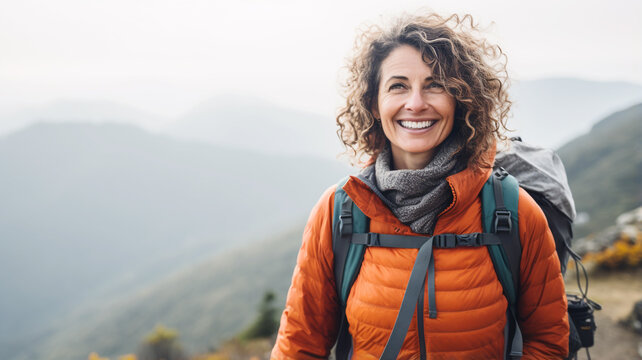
(539, 172)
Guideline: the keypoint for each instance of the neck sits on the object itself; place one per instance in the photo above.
(402, 160)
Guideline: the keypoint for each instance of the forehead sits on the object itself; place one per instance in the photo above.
(405, 61)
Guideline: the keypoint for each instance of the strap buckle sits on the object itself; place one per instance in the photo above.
(503, 222)
(445, 241)
(372, 239)
(468, 240)
(346, 219)
(500, 173)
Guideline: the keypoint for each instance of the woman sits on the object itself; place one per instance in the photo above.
(426, 105)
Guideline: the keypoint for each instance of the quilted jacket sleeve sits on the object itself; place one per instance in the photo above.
(542, 300)
(309, 321)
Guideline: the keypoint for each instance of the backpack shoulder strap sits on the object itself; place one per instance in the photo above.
(499, 198)
(346, 220)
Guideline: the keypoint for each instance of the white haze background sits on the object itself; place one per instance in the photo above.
(165, 57)
(92, 215)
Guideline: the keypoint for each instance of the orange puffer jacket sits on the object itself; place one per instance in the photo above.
(471, 306)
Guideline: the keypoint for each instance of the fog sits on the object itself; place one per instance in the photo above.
(236, 102)
(165, 57)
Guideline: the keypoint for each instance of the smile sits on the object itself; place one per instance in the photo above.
(417, 124)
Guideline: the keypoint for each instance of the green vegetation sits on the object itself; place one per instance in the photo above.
(604, 169)
(161, 344)
(625, 253)
(266, 324)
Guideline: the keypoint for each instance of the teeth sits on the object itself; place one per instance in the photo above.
(417, 124)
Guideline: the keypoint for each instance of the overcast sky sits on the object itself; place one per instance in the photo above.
(166, 56)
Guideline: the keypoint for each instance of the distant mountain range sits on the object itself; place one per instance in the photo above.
(214, 300)
(91, 210)
(95, 217)
(548, 112)
(253, 124)
(84, 111)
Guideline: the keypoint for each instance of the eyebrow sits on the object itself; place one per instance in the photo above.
(399, 77)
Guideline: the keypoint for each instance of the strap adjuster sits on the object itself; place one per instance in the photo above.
(346, 219)
(503, 222)
(372, 239)
(445, 241)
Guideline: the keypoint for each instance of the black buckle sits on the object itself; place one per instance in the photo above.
(503, 222)
(372, 239)
(468, 240)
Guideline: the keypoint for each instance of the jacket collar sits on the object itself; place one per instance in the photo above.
(465, 186)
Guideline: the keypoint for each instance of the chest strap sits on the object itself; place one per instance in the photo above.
(441, 241)
(424, 266)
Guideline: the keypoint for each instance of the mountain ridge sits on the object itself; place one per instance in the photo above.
(131, 162)
(233, 274)
(604, 168)
(88, 208)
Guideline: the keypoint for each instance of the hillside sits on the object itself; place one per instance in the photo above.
(88, 211)
(206, 304)
(604, 169)
(107, 227)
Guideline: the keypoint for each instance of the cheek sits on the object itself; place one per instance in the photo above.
(447, 105)
(389, 103)
(384, 108)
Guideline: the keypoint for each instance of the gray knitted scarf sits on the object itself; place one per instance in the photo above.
(415, 197)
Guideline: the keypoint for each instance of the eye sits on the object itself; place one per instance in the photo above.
(435, 85)
(396, 86)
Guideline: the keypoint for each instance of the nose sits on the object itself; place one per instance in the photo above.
(416, 101)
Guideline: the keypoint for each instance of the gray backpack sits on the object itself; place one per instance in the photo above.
(541, 173)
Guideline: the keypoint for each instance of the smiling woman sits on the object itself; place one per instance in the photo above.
(426, 104)
(415, 111)
(459, 60)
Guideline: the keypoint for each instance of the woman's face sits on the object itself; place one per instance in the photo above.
(416, 113)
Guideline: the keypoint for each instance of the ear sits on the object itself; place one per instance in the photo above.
(375, 111)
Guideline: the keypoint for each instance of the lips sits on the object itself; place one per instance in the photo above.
(416, 125)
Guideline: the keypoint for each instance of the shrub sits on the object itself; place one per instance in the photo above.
(266, 323)
(161, 344)
(626, 252)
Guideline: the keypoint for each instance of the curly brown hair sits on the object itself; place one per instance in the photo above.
(472, 71)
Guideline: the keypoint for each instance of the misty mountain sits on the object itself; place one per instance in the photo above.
(604, 169)
(88, 209)
(91, 212)
(92, 111)
(252, 124)
(551, 112)
(215, 299)
(548, 112)
(207, 303)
